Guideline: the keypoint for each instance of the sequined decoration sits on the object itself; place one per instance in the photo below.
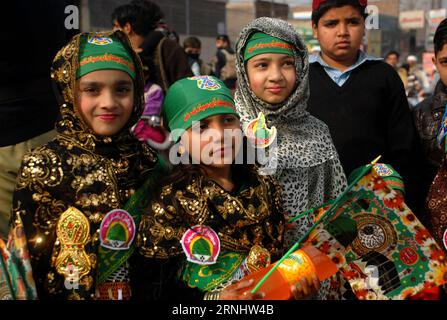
(73, 231)
(257, 258)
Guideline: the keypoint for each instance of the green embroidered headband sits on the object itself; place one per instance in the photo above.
(259, 43)
(103, 53)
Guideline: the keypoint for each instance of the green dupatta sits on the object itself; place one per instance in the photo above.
(110, 260)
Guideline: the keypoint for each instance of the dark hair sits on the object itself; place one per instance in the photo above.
(329, 4)
(192, 42)
(223, 37)
(393, 52)
(174, 36)
(440, 38)
(406, 66)
(142, 15)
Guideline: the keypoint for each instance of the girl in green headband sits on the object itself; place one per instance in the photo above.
(273, 85)
(105, 84)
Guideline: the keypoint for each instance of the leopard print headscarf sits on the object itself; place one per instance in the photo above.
(307, 163)
(303, 140)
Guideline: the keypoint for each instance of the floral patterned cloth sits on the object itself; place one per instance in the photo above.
(392, 256)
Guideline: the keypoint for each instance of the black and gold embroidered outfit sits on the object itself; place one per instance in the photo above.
(77, 169)
(251, 215)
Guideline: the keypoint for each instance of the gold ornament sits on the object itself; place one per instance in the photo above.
(73, 230)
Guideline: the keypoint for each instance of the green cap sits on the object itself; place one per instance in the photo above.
(102, 53)
(193, 99)
(259, 43)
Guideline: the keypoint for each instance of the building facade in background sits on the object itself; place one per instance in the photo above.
(376, 42)
(404, 25)
(204, 19)
(239, 14)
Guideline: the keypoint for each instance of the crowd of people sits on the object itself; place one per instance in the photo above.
(96, 208)
(418, 84)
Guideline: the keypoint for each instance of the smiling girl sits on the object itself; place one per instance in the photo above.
(68, 187)
(272, 65)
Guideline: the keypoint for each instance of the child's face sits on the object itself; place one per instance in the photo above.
(105, 100)
(340, 32)
(272, 76)
(221, 43)
(440, 62)
(214, 141)
(392, 60)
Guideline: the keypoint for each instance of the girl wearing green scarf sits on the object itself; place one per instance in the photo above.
(71, 192)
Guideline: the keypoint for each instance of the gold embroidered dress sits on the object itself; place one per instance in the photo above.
(251, 216)
(78, 169)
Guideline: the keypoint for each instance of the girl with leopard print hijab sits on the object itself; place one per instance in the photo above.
(272, 68)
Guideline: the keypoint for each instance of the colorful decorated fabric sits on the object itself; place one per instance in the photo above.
(242, 219)
(230, 266)
(393, 255)
(207, 277)
(392, 178)
(16, 276)
(428, 294)
(6, 289)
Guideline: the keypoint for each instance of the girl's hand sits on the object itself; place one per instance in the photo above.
(306, 288)
(240, 291)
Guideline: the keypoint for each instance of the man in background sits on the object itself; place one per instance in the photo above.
(193, 48)
(224, 66)
(163, 59)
